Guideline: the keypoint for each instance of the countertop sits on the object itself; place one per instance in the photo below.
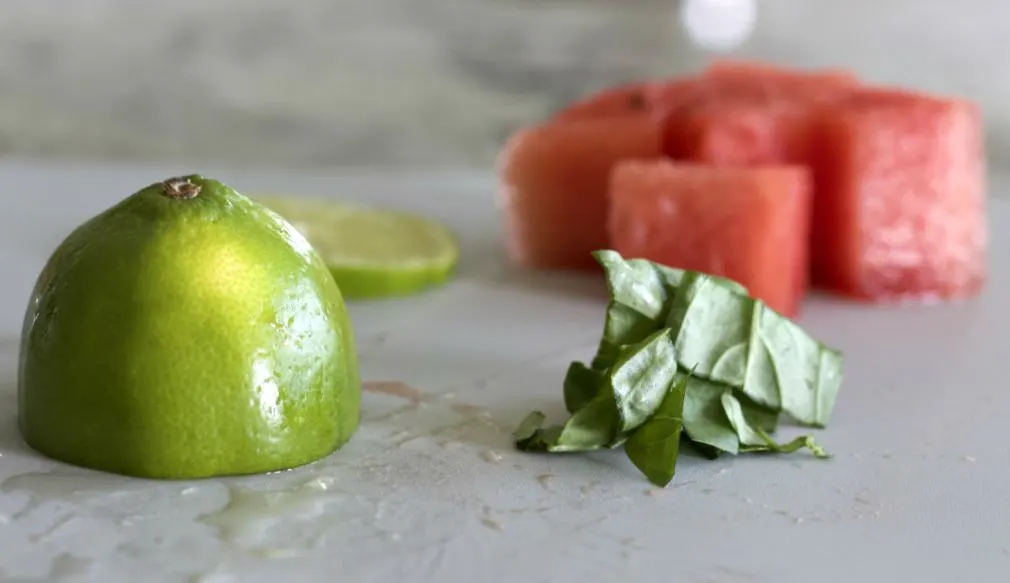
(430, 488)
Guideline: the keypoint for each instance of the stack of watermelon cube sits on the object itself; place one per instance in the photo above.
(779, 179)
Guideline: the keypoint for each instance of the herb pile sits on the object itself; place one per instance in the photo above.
(688, 354)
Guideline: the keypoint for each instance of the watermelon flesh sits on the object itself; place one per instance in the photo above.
(737, 131)
(900, 206)
(553, 189)
(751, 114)
(750, 224)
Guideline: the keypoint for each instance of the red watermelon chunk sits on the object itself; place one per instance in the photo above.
(900, 207)
(750, 224)
(554, 186)
(752, 114)
(738, 131)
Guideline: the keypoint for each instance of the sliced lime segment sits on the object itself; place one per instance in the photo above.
(371, 252)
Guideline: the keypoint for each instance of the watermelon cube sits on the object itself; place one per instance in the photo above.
(553, 186)
(738, 131)
(754, 114)
(900, 206)
(750, 224)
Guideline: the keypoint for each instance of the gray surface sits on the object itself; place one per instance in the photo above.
(351, 82)
(916, 491)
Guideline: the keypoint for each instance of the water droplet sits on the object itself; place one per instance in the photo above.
(546, 481)
(491, 524)
(491, 457)
(969, 458)
(321, 483)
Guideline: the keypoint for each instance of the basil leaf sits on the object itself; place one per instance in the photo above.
(638, 305)
(748, 365)
(592, 427)
(655, 446)
(581, 386)
(753, 438)
(705, 420)
(640, 378)
(706, 450)
(739, 341)
(635, 283)
(745, 431)
(759, 416)
(529, 426)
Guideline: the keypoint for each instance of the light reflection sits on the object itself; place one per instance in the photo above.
(267, 392)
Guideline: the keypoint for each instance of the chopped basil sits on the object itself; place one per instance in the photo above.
(688, 354)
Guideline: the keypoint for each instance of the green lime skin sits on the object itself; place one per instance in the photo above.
(187, 332)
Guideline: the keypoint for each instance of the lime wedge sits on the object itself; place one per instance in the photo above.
(371, 252)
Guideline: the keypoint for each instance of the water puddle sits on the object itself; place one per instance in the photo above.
(45, 487)
(253, 512)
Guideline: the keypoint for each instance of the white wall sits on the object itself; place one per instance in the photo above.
(330, 82)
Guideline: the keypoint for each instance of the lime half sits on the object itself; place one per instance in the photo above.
(371, 252)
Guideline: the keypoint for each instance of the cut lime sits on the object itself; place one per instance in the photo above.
(371, 252)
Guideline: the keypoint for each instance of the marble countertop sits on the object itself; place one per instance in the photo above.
(430, 489)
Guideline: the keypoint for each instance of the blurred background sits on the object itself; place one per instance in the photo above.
(328, 83)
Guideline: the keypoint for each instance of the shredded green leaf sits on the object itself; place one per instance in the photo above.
(689, 355)
(655, 446)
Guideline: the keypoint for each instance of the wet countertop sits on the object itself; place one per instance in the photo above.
(430, 489)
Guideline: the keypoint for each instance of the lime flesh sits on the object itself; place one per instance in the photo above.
(173, 337)
(372, 253)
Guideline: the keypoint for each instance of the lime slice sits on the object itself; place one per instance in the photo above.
(371, 252)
